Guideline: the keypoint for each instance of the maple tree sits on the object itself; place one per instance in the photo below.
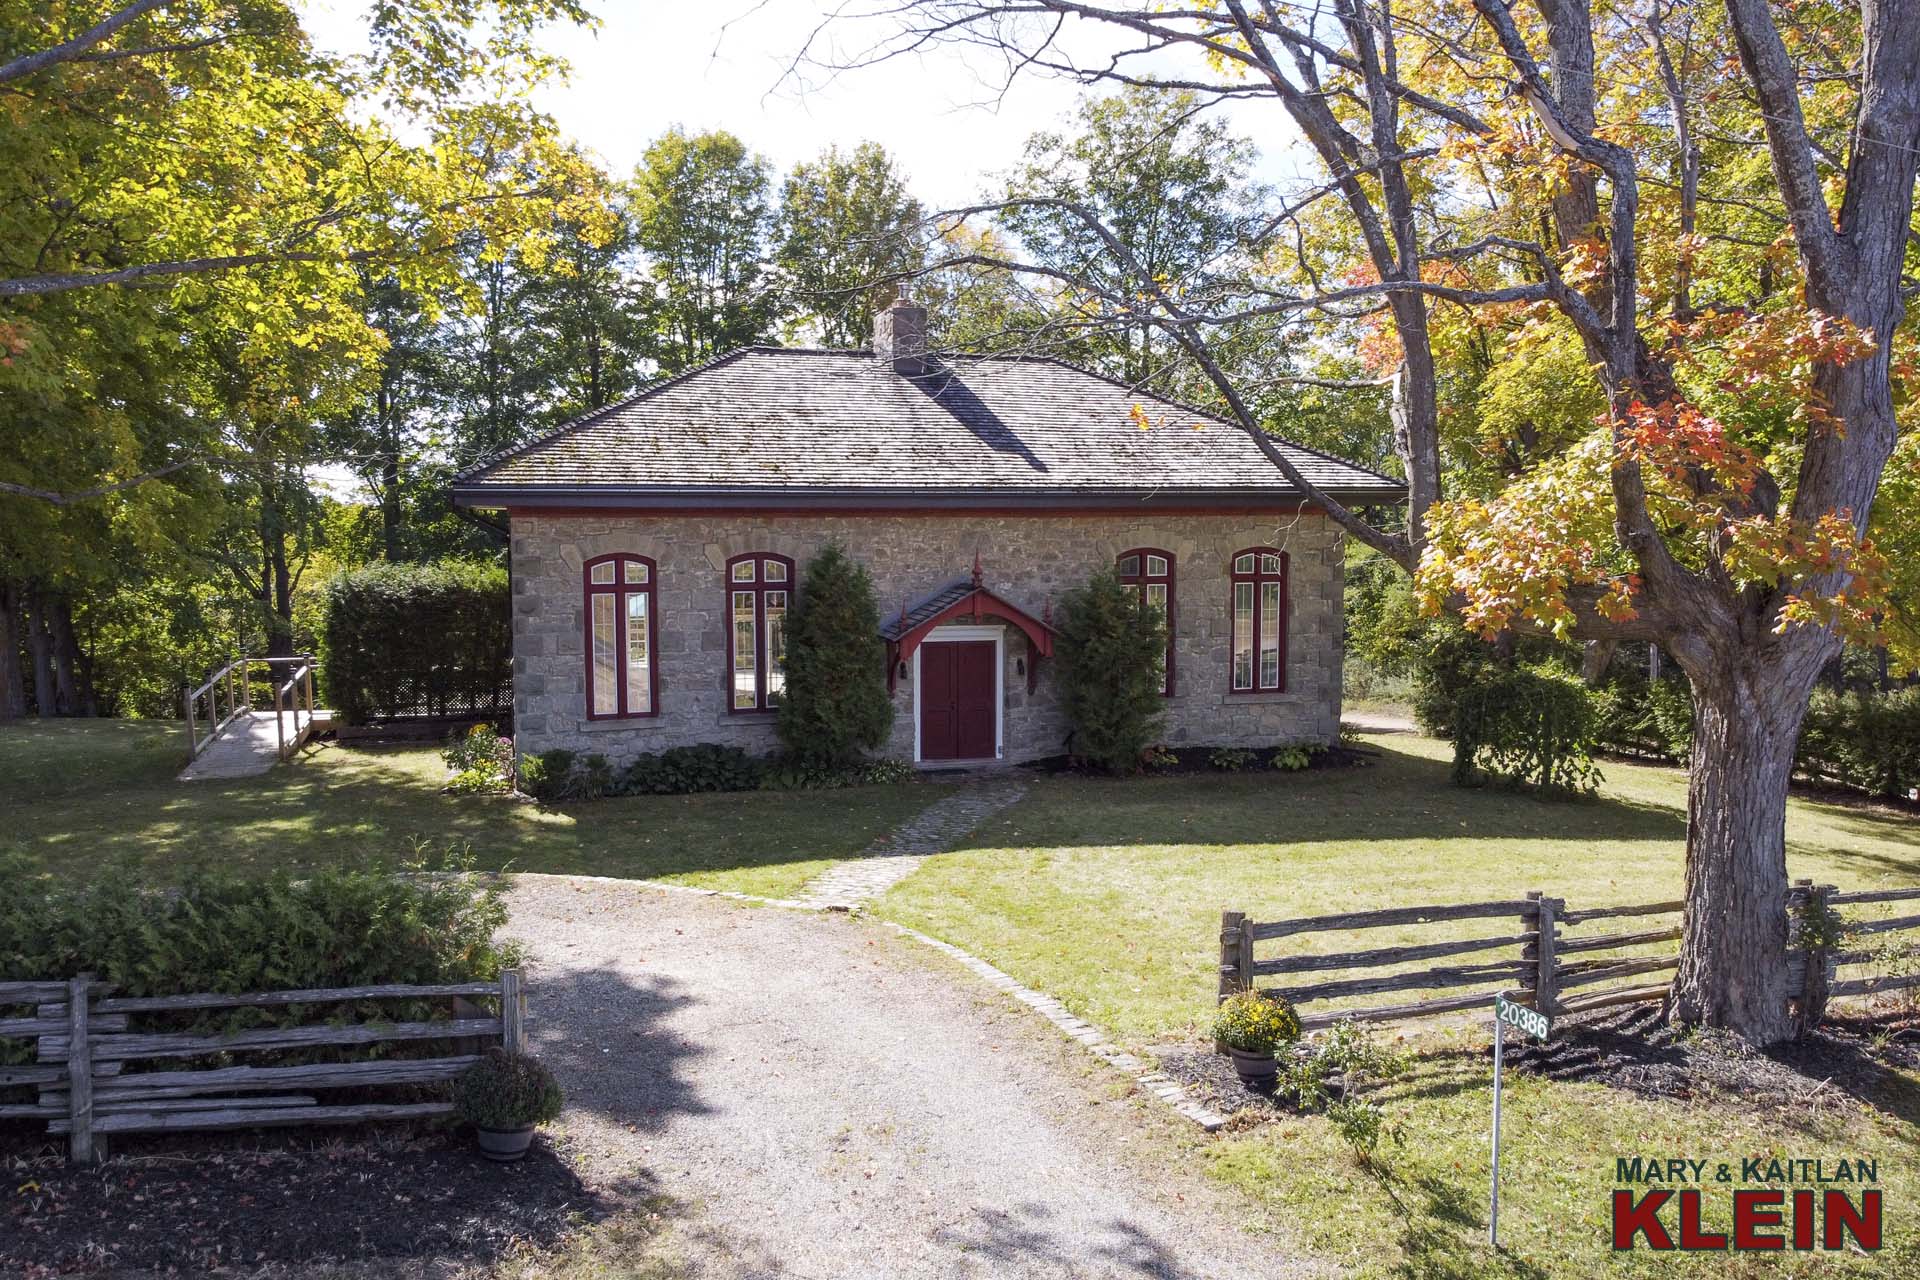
(1670, 242)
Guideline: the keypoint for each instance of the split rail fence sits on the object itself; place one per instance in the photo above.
(84, 1047)
(1539, 951)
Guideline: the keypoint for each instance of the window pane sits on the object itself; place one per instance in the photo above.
(635, 572)
(776, 572)
(639, 669)
(1243, 564)
(601, 573)
(743, 572)
(606, 687)
(1243, 635)
(1269, 635)
(1156, 566)
(776, 646)
(1129, 566)
(1269, 564)
(745, 646)
(1157, 597)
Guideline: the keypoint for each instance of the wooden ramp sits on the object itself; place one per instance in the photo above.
(251, 744)
(230, 737)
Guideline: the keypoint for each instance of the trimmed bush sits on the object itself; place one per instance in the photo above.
(418, 640)
(505, 1091)
(1111, 649)
(836, 704)
(1865, 741)
(1525, 727)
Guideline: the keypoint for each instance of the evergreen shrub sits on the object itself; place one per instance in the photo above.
(836, 704)
(1111, 650)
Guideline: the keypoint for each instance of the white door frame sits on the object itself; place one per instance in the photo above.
(938, 635)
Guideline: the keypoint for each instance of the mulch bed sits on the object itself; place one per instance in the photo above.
(1850, 1060)
(189, 1205)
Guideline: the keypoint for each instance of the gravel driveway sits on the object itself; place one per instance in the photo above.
(832, 1100)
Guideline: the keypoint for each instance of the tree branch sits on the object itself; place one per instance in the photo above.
(78, 496)
(71, 50)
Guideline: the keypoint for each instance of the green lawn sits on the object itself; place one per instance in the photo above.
(79, 794)
(1108, 893)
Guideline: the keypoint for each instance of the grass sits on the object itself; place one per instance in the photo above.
(1108, 893)
(83, 794)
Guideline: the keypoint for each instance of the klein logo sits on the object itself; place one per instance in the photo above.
(1762, 1220)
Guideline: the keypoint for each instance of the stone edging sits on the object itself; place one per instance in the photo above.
(1091, 1037)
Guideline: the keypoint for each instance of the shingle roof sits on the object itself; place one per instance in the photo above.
(811, 425)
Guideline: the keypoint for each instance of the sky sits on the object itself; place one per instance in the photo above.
(722, 64)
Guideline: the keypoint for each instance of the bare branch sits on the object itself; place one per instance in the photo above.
(78, 496)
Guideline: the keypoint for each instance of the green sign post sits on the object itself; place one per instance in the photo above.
(1537, 1026)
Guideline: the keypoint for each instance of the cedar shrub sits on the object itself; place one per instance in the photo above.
(836, 703)
(1111, 649)
(416, 639)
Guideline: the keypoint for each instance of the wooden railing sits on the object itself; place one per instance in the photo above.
(1551, 962)
(83, 1045)
(229, 693)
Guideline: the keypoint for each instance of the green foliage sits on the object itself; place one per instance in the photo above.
(1253, 1023)
(1449, 662)
(1292, 759)
(544, 774)
(836, 703)
(847, 231)
(1112, 650)
(1231, 759)
(701, 217)
(1866, 741)
(507, 1091)
(1526, 727)
(337, 926)
(680, 771)
(1338, 1064)
(402, 639)
(1158, 757)
(1634, 716)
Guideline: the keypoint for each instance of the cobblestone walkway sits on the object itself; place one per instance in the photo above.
(895, 856)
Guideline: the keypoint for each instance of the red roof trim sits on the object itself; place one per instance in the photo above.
(975, 603)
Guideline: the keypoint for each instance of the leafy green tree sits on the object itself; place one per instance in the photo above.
(1111, 649)
(702, 220)
(836, 701)
(847, 232)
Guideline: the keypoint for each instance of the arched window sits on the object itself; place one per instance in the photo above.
(758, 588)
(621, 679)
(1149, 572)
(1259, 651)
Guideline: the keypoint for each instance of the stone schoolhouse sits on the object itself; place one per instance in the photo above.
(657, 543)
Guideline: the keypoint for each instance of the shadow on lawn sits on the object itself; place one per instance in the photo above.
(1401, 795)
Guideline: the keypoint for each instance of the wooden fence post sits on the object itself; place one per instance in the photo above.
(79, 1071)
(1808, 901)
(1236, 954)
(1540, 976)
(513, 1012)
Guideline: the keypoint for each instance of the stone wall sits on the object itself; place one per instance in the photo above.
(1027, 560)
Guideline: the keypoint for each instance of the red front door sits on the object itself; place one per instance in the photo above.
(957, 710)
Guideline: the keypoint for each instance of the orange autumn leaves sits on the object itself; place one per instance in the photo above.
(1525, 556)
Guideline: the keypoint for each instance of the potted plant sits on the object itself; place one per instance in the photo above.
(1252, 1026)
(504, 1095)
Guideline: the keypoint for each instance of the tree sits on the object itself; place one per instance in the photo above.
(848, 231)
(835, 704)
(1112, 649)
(1722, 509)
(701, 219)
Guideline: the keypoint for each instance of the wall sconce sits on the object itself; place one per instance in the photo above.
(903, 668)
(1020, 666)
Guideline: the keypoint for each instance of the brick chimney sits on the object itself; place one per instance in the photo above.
(900, 336)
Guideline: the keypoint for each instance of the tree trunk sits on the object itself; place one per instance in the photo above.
(13, 681)
(1733, 958)
(40, 649)
(66, 654)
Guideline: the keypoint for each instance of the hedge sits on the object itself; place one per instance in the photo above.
(407, 640)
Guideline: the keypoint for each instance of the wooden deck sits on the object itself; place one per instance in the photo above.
(250, 744)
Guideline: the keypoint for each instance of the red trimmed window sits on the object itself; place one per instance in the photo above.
(758, 589)
(1259, 615)
(621, 677)
(1149, 573)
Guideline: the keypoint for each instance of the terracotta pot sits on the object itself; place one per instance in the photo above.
(1257, 1068)
(505, 1144)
